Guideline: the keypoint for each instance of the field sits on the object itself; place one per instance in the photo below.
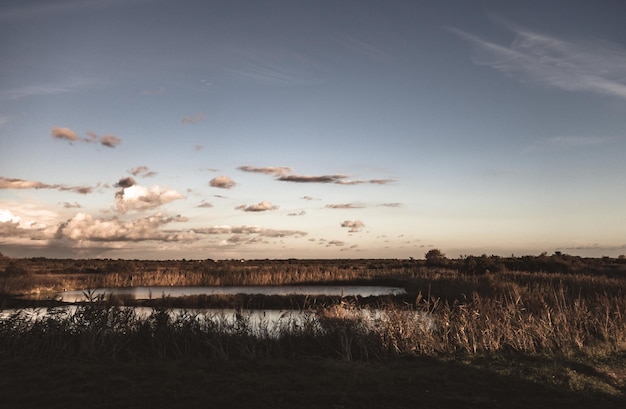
(474, 332)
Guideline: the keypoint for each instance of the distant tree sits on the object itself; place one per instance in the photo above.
(435, 258)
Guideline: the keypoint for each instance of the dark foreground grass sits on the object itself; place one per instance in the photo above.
(479, 382)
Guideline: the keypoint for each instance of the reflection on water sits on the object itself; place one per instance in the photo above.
(255, 322)
(145, 293)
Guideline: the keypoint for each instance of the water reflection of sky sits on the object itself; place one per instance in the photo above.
(145, 293)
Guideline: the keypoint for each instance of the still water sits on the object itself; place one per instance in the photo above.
(146, 293)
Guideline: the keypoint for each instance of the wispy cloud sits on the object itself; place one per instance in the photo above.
(336, 179)
(558, 143)
(259, 207)
(61, 87)
(345, 206)
(8, 183)
(267, 170)
(391, 204)
(593, 66)
(157, 91)
(74, 205)
(336, 243)
(142, 171)
(299, 213)
(247, 234)
(205, 205)
(194, 119)
(222, 182)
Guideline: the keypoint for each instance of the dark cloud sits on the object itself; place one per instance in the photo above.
(7, 183)
(311, 179)
(268, 170)
(125, 182)
(345, 206)
(259, 207)
(355, 226)
(205, 205)
(222, 182)
(337, 243)
(336, 179)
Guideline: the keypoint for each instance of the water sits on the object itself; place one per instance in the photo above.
(146, 293)
(257, 322)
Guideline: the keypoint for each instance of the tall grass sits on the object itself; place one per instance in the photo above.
(547, 323)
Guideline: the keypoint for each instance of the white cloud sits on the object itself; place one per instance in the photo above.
(140, 198)
(598, 67)
(84, 227)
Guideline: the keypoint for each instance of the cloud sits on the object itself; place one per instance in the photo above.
(595, 66)
(125, 182)
(312, 179)
(76, 83)
(143, 171)
(158, 91)
(300, 213)
(391, 204)
(84, 227)
(345, 206)
(194, 119)
(205, 205)
(355, 226)
(337, 243)
(222, 182)
(110, 141)
(268, 170)
(247, 234)
(566, 142)
(64, 133)
(259, 207)
(7, 183)
(139, 198)
(74, 205)
(336, 179)
(309, 198)
(28, 224)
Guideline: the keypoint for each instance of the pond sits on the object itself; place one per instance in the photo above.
(146, 293)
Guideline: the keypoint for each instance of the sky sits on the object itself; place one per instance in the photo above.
(154, 129)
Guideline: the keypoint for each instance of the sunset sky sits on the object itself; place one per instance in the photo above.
(312, 129)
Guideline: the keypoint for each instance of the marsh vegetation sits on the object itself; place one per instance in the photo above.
(448, 313)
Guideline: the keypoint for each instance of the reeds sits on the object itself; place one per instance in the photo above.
(514, 321)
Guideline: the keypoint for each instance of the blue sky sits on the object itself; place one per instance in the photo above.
(331, 129)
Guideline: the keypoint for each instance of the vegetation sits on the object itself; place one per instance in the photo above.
(481, 321)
